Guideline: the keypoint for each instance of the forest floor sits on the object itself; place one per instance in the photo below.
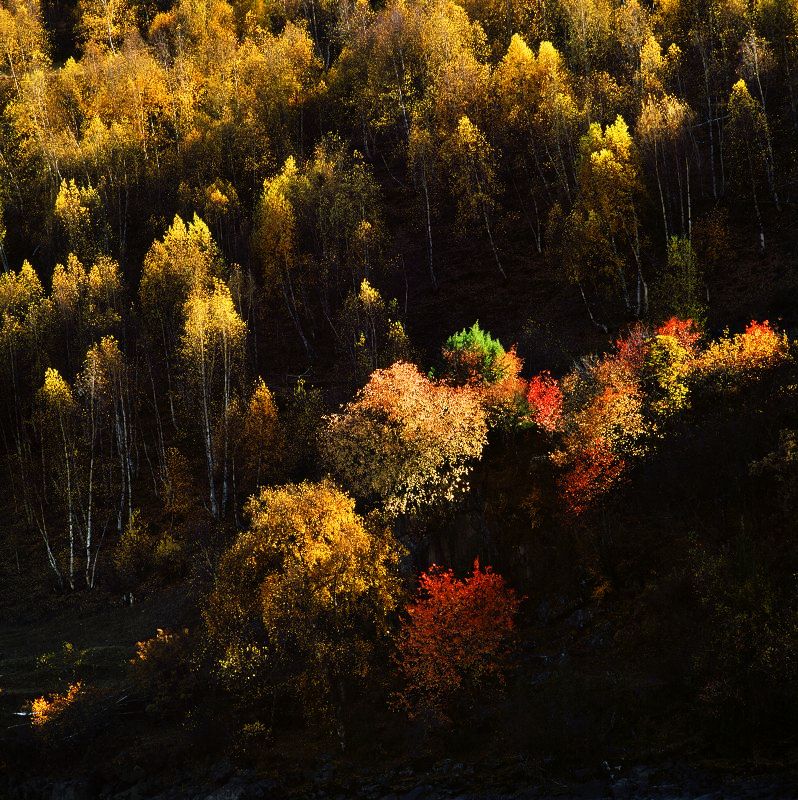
(88, 636)
(535, 308)
(137, 756)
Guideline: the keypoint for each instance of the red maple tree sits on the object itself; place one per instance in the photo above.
(544, 398)
(683, 330)
(594, 471)
(456, 641)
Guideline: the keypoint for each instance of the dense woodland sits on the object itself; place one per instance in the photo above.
(418, 371)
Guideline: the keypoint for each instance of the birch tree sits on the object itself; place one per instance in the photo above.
(212, 348)
(59, 450)
(749, 159)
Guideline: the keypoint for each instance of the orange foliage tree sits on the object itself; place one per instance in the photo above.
(593, 472)
(504, 400)
(405, 441)
(614, 407)
(684, 331)
(456, 642)
(605, 423)
(475, 359)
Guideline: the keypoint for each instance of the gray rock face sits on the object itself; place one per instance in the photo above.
(446, 780)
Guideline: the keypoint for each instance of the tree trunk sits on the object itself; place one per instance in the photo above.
(599, 325)
(70, 514)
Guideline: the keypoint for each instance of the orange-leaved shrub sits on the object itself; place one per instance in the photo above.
(593, 471)
(604, 426)
(685, 331)
(476, 360)
(735, 357)
(504, 400)
(164, 672)
(44, 710)
(604, 421)
(614, 407)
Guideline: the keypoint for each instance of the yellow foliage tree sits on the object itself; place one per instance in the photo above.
(185, 259)
(57, 419)
(600, 238)
(472, 176)
(662, 129)
(260, 440)
(105, 23)
(374, 338)
(301, 597)
(212, 347)
(537, 103)
(23, 41)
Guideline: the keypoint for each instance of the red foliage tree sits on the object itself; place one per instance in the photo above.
(544, 398)
(457, 640)
(683, 330)
(593, 472)
(631, 350)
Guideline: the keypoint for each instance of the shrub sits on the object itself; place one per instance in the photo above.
(44, 711)
(304, 417)
(666, 367)
(735, 357)
(505, 399)
(133, 553)
(163, 670)
(456, 643)
(544, 398)
(168, 556)
(747, 673)
(590, 474)
(680, 288)
(685, 331)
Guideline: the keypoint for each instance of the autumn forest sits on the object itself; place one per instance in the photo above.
(397, 396)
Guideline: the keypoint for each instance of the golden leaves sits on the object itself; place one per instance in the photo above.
(44, 710)
(302, 592)
(211, 320)
(405, 440)
(55, 392)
